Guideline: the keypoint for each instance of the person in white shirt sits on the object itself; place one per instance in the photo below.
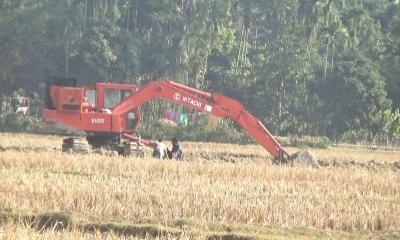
(160, 150)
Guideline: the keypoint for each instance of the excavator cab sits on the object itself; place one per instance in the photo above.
(88, 108)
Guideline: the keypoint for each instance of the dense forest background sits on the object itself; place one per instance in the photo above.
(304, 67)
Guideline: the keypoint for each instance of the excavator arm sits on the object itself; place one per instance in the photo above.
(212, 103)
(252, 125)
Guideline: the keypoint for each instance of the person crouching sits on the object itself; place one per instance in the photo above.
(177, 150)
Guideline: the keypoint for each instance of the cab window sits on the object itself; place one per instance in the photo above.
(131, 120)
(113, 97)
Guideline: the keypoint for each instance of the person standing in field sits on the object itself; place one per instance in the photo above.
(177, 150)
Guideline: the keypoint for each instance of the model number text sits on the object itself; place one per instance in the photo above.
(98, 120)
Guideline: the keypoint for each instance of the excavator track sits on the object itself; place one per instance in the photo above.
(75, 145)
(81, 146)
(130, 149)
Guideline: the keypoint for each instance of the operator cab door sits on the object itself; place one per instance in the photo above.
(113, 97)
(110, 95)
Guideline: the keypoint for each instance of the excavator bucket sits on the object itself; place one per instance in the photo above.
(301, 158)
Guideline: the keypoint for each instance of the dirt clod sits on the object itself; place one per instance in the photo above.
(396, 165)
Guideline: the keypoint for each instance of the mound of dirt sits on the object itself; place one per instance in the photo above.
(304, 158)
(372, 165)
(396, 165)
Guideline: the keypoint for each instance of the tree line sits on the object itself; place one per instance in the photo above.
(304, 67)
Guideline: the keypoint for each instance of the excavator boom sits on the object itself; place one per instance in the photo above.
(213, 103)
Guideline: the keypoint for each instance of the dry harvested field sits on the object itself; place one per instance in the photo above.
(221, 191)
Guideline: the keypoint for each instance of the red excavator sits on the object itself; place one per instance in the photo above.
(109, 113)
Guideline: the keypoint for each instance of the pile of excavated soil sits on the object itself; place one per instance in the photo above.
(304, 158)
(370, 165)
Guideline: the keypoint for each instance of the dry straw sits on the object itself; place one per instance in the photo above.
(220, 183)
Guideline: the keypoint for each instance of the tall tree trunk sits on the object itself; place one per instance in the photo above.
(85, 15)
(333, 54)
(128, 15)
(326, 58)
(67, 60)
(281, 96)
(136, 15)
